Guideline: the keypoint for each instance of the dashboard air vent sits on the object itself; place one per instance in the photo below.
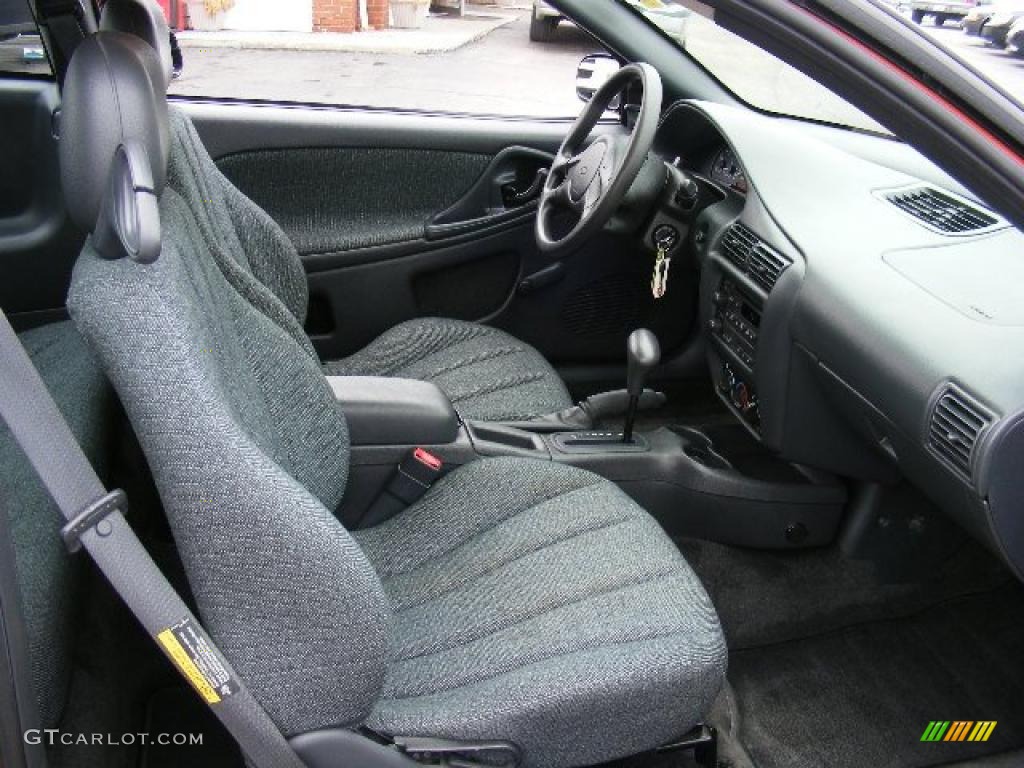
(752, 256)
(956, 424)
(940, 211)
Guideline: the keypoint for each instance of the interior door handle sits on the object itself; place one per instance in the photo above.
(481, 224)
(496, 201)
(513, 197)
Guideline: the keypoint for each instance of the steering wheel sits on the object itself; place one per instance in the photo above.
(592, 179)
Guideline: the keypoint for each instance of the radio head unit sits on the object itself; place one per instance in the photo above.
(735, 324)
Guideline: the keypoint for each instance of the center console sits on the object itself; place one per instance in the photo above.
(718, 484)
(734, 328)
(736, 321)
(388, 411)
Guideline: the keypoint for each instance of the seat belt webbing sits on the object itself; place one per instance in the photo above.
(95, 520)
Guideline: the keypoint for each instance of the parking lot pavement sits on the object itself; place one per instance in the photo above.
(439, 33)
(505, 73)
(1000, 66)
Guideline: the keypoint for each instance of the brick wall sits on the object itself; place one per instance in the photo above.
(377, 13)
(334, 15)
(343, 15)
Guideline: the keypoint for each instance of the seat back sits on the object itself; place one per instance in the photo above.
(247, 445)
(238, 229)
(232, 224)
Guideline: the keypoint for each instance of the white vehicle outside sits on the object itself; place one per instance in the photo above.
(1015, 38)
(940, 12)
(670, 17)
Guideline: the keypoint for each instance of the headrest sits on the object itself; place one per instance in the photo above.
(114, 143)
(144, 19)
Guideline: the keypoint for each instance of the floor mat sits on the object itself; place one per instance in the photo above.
(863, 695)
(765, 596)
(1014, 759)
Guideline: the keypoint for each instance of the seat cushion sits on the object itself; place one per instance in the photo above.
(537, 603)
(487, 374)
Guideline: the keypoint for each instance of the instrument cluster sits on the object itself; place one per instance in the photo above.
(727, 171)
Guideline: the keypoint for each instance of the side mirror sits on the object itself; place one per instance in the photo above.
(593, 71)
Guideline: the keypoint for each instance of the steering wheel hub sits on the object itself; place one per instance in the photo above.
(582, 173)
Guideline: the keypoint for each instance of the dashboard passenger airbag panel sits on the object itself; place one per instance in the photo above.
(980, 278)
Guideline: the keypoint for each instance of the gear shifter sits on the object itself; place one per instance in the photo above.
(643, 353)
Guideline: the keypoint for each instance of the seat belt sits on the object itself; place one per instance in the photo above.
(96, 522)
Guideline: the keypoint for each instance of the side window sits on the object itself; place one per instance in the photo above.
(513, 58)
(21, 49)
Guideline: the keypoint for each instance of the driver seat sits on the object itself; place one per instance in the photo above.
(487, 374)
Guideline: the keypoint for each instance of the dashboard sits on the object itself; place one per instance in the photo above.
(861, 309)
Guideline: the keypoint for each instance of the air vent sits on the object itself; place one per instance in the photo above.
(736, 245)
(956, 424)
(941, 212)
(752, 256)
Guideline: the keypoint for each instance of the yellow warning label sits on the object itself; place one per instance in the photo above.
(187, 667)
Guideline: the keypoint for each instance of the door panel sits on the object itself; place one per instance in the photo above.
(228, 127)
(471, 281)
(38, 243)
(338, 199)
(401, 215)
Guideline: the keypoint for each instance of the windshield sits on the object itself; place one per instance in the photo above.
(752, 74)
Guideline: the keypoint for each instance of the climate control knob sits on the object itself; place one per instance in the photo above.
(740, 396)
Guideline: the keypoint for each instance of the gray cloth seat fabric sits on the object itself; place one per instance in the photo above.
(519, 599)
(486, 373)
(249, 452)
(48, 578)
(537, 603)
(600, 641)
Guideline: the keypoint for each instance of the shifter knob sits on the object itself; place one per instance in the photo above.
(643, 353)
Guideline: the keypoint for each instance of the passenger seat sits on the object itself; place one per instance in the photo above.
(518, 601)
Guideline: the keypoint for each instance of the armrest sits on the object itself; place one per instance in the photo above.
(381, 410)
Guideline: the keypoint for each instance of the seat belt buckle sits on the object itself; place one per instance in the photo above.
(412, 478)
(92, 516)
(415, 474)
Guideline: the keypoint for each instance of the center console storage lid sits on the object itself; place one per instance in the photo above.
(382, 410)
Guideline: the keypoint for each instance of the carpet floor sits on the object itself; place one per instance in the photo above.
(830, 667)
(863, 695)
